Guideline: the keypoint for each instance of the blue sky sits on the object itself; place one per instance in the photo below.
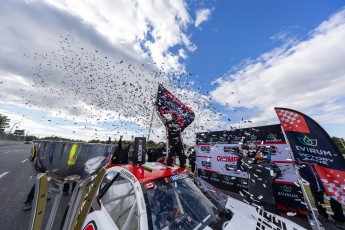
(90, 70)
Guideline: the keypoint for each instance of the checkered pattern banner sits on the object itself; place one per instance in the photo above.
(333, 181)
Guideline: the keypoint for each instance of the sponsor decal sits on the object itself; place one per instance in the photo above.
(307, 141)
(175, 177)
(140, 151)
(203, 173)
(128, 175)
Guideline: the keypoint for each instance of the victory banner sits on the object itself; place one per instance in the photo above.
(167, 103)
(321, 163)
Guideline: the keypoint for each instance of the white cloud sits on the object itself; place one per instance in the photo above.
(75, 66)
(308, 76)
(151, 27)
(202, 16)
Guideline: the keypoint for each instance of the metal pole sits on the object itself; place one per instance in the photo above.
(148, 135)
(12, 127)
(303, 189)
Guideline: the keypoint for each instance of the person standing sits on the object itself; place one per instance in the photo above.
(336, 207)
(174, 140)
(158, 153)
(150, 155)
(192, 159)
(260, 182)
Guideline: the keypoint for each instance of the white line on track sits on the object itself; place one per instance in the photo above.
(24, 160)
(1, 175)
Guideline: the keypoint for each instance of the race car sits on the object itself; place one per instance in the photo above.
(156, 196)
(135, 195)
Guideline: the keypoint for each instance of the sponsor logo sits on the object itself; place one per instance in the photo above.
(140, 151)
(285, 188)
(290, 195)
(230, 167)
(237, 138)
(203, 173)
(206, 164)
(307, 141)
(205, 148)
(227, 158)
(226, 178)
(313, 151)
(214, 175)
(175, 177)
(221, 139)
(243, 181)
(252, 137)
(271, 136)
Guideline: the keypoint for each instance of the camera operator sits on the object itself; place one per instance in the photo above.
(261, 175)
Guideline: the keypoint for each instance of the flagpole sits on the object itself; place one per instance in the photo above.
(148, 135)
(151, 121)
(302, 187)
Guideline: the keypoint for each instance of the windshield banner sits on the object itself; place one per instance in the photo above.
(322, 165)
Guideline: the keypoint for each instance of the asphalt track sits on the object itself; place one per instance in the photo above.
(17, 178)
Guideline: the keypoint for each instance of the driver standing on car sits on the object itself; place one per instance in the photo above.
(174, 130)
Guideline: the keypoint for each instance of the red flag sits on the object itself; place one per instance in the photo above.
(334, 182)
(292, 121)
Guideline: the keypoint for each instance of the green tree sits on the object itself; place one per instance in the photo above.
(31, 138)
(94, 141)
(339, 142)
(150, 144)
(4, 121)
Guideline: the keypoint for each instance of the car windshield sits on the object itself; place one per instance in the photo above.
(175, 202)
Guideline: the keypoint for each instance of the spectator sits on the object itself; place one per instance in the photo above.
(158, 153)
(192, 159)
(335, 206)
(150, 155)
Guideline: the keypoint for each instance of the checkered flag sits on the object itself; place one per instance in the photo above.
(292, 121)
(333, 181)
